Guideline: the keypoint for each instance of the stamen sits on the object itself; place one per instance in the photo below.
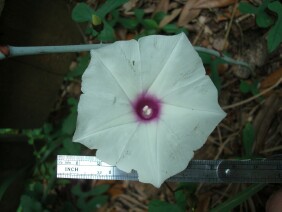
(147, 112)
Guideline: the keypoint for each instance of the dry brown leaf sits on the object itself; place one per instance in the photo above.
(205, 4)
(227, 15)
(130, 36)
(167, 19)
(188, 13)
(130, 5)
(271, 79)
(74, 89)
(116, 190)
(188, 16)
(162, 6)
(220, 44)
(193, 8)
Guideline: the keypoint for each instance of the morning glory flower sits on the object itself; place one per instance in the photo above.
(147, 105)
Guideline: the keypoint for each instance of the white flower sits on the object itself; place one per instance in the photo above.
(147, 105)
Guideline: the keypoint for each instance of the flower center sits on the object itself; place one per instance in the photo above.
(147, 108)
(147, 112)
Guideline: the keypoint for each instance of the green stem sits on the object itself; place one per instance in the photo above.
(13, 51)
(223, 57)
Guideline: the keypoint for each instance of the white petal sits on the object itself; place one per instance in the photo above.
(114, 69)
(185, 123)
(201, 95)
(155, 51)
(99, 112)
(97, 79)
(170, 63)
(140, 154)
(182, 131)
(110, 142)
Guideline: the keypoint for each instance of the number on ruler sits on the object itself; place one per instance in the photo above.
(99, 172)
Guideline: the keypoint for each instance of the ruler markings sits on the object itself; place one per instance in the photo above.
(214, 171)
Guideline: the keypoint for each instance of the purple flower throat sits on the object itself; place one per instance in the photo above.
(147, 108)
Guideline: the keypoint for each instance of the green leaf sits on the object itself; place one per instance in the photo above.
(139, 13)
(255, 87)
(161, 206)
(82, 13)
(206, 58)
(69, 124)
(149, 24)
(180, 30)
(97, 199)
(214, 74)
(128, 23)
(109, 6)
(263, 20)
(47, 128)
(150, 32)
(248, 139)
(113, 18)
(29, 204)
(247, 87)
(245, 7)
(38, 189)
(99, 189)
(107, 34)
(170, 28)
(68, 207)
(181, 198)
(96, 20)
(274, 37)
(239, 198)
(70, 147)
(76, 190)
(95, 202)
(159, 16)
(189, 187)
(81, 203)
(244, 87)
(94, 33)
(4, 185)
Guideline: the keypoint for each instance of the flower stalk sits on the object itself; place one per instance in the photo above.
(14, 51)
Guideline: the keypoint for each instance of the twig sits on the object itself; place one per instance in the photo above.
(271, 149)
(169, 187)
(222, 195)
(219, 135)
(253, 97)
(222, 146)
(230, 24)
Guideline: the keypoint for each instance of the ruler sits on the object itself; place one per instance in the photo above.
(209, 171)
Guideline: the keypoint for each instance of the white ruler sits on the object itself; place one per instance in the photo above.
(210, 171)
